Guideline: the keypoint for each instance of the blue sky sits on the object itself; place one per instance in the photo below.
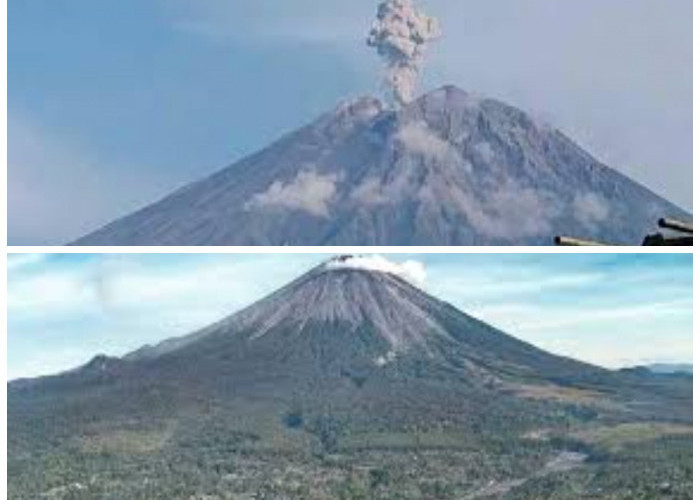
(613, 310)
(114, 104)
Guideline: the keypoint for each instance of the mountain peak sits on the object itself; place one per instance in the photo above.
(449, 96)
(410, 271)
(449, 168)
(350, 312)
(355, 291)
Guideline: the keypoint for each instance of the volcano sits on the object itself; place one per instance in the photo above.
(449, 168)
(338, 372)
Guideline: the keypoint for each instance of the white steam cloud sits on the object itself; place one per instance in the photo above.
(590, 209)
(410, 270)
(417, 137)
(309, 192)
(400, 34)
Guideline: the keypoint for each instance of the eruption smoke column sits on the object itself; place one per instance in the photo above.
(400, 34)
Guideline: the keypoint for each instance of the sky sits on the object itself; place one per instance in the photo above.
(613, 310)
(112, 105)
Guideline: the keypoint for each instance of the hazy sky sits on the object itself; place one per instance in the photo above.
(613, 310)
(113, 104)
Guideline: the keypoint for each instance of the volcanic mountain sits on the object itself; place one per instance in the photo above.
(450, 168)
(343, 360)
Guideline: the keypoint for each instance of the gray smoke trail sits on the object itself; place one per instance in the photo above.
(400, 34)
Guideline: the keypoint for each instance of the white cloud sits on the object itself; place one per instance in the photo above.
(369, 192)
(410, 270)
(511, 211)
(590, 209)
(505, 282)
(308, 191)
(51, 293)
(115, 304)
(204, 284)
(17, 261)
(530, 319)
(417, 138)
(607, 310)
(614, 336)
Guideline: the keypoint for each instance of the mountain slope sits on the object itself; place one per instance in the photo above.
(327, 324)
(447, 169)
(336, 336)
(339, 371)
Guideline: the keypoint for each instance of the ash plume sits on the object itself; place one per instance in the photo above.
(400, 34)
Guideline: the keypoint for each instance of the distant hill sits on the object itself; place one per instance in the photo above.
(346, 379)
(450, 168)
(671, 368)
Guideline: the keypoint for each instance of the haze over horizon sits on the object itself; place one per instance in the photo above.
(100, 124)
(611, 310)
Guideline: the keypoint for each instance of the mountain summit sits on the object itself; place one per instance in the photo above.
(346, 314)
(449, 168)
